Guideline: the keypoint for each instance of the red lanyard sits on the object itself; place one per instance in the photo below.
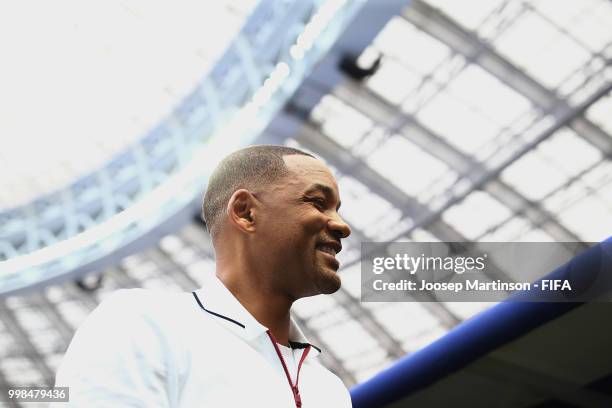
(294, 387)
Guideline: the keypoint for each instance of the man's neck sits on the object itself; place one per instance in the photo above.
(268, 308)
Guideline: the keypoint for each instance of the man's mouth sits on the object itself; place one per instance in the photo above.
(329, 246)
(330, 249)
(327, 249)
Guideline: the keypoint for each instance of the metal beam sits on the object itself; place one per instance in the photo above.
(57, 320)
(22, 337)
(566, 116)
(123, 278)
(433, 218)
(571, 180)
(88, 300)
(433, 22)
(168, 266)
(381, 111)
(196, 234)
(4, 387)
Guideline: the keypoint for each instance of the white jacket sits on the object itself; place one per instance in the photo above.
(142, 348)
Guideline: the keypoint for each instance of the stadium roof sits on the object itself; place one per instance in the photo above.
(487, 121)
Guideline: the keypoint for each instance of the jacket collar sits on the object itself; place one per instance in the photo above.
(216, 300)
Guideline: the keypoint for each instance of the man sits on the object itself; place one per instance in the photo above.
(272, 213)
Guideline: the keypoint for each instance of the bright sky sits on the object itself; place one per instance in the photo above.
(80, 81)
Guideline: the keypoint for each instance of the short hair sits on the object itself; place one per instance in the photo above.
(246, 168)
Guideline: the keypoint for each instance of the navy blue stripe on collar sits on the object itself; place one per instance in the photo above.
(298, 345)
(292, 344)
(216, 314)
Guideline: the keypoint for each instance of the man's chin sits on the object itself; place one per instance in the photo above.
(329, 282)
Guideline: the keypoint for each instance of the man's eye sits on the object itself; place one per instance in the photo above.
(319, 203)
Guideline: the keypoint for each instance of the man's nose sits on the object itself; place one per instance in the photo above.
(340, 227)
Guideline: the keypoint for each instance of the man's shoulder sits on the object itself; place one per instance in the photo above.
(145, 297)
(125, 306)
(147, 300)
(127, 316)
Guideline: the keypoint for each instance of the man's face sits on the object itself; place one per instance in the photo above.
(301, 228)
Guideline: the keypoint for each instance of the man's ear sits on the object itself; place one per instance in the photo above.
(240, 210)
